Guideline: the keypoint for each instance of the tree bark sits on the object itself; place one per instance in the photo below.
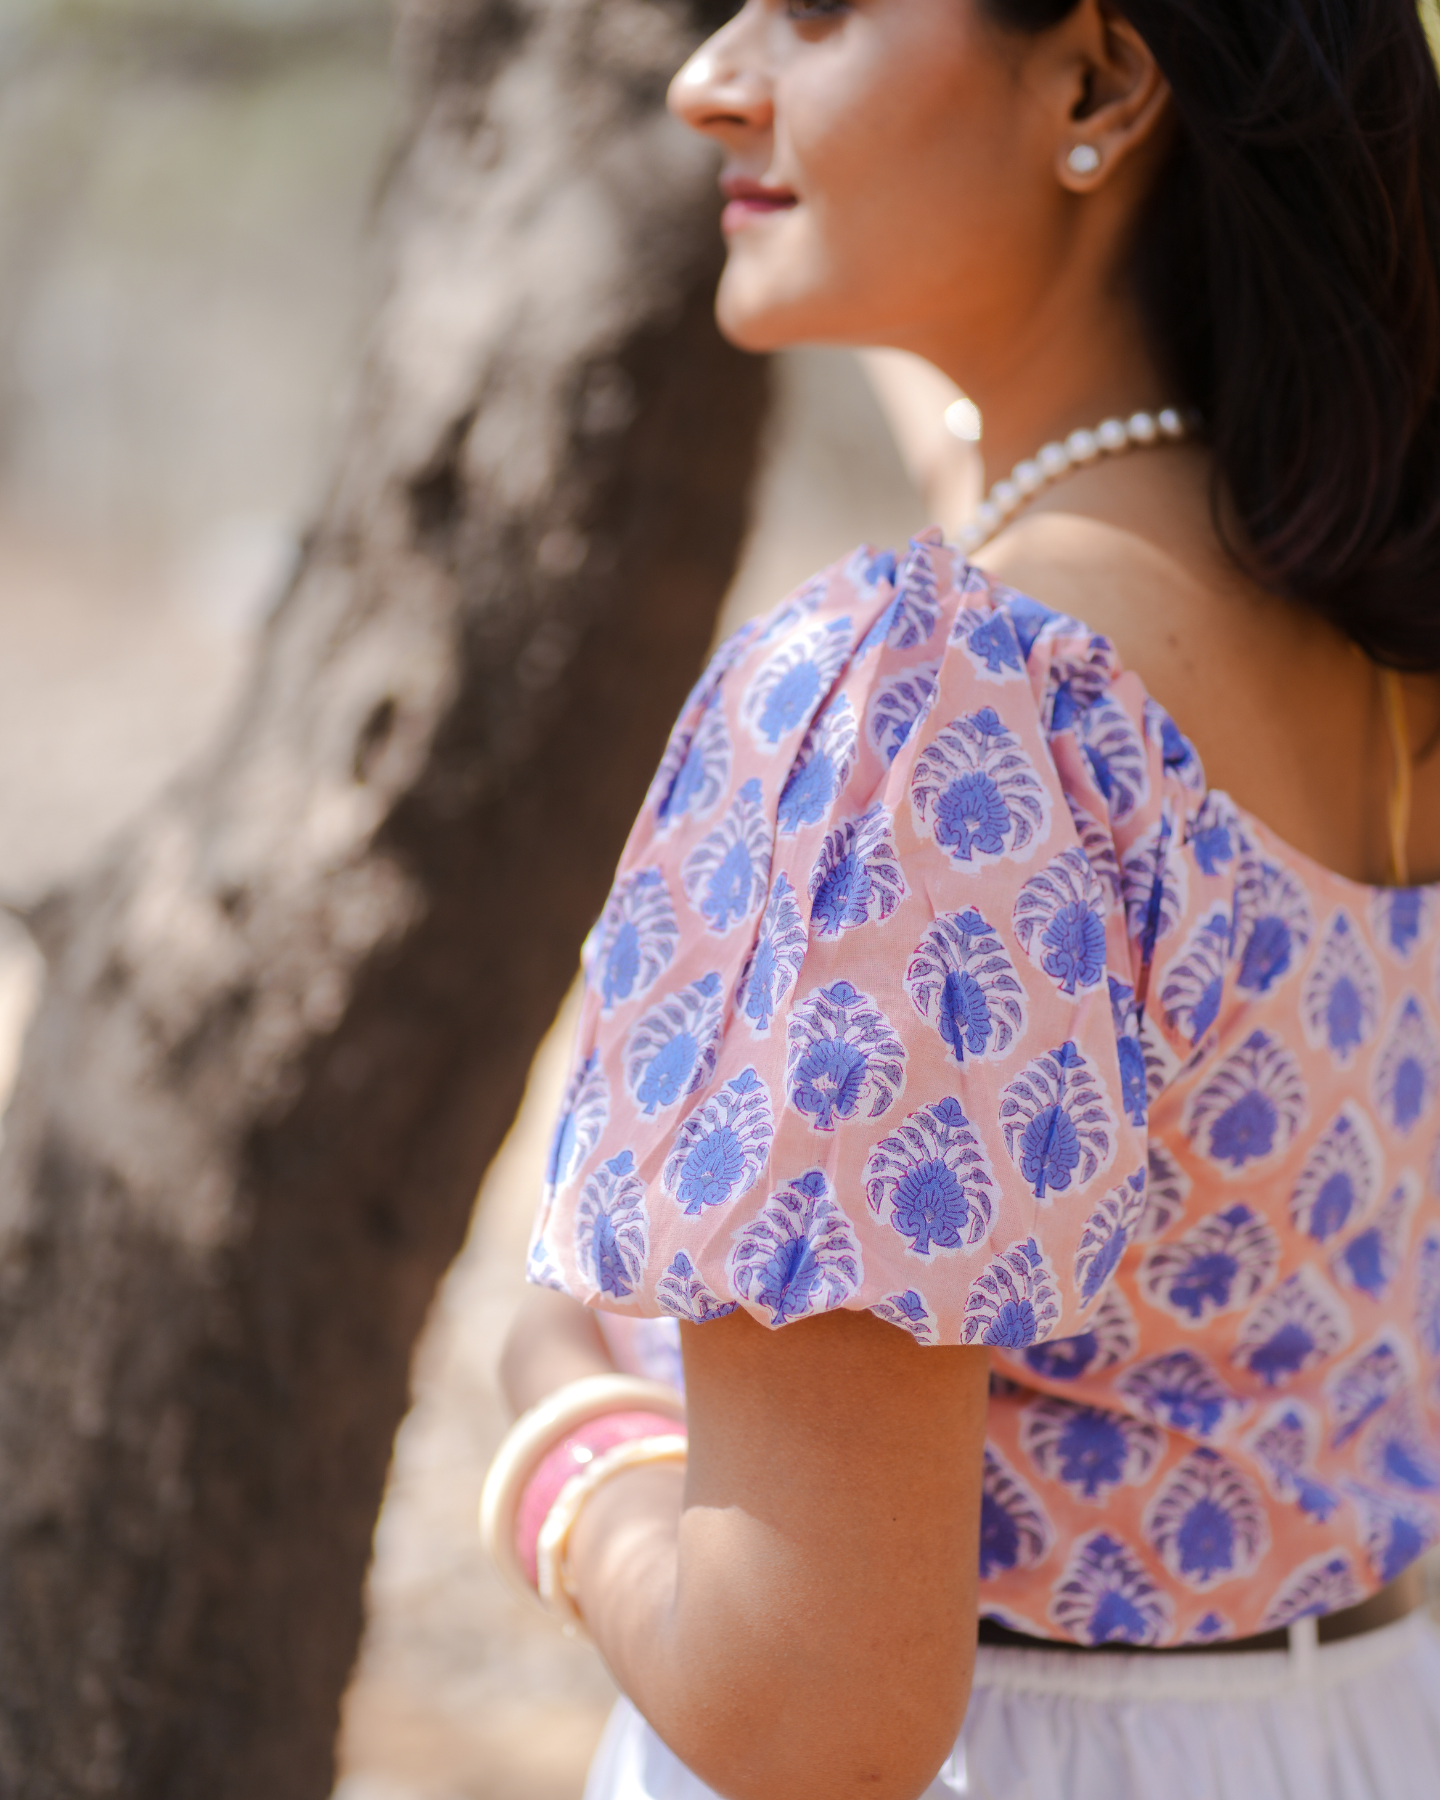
(288, 1021)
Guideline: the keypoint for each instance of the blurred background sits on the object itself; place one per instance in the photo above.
(184, 194)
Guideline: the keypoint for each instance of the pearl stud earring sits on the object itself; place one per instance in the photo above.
(1084, 159)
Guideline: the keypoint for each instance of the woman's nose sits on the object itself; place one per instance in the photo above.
(724, 88)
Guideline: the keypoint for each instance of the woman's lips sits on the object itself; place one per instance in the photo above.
(746, 200)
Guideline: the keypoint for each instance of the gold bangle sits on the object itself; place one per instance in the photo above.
(557, 1590)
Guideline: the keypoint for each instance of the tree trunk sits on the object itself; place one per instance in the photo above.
(287, 1023)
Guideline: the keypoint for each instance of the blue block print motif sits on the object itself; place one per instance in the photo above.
(989, 642)
(1250, 1110)
(910, 1313)
(727, 874)
(1325, 1583)
(1208, 1521)
(1076, 679)
(1341, 996)
(1396, 1449)
(1358, 1389)
(541, 1269)
(826, 757)
(1117, 756)
(961, 980)
(1014, 1531)
(1098, 844)
(1031, 620)
(1273, 924)
(804, 603)
(1105, 1595)
(1015, 1301)
(1167, 1188)
(1177, 754)
(584, 1111)
(1408, 1067)
(869, 569)
(1110, 1338)
(770, 969)
(789, 685)
(1340, 1176)
(1218, 1266)
(1180, 1389)
(843, 1058)
(1106, 1235)
(1209, 1628)
(612, 1229)
(1402, 918)
(1059, 919)
(720, 1150)
(1396, 1531)
(1132, 1052)
(631, 946)
(800, 1255)
(1370, 1261)
(1427, 1295)
(685, 1296)
(1154, 887)
(1193, 985)
(911, 617)
(856, 878)
(673, 1048)
(975, 791)
(1284, 1445)
(1058, 1124)
(695, 771)
(1215, 836)
(899, 706)
(932, 1181)
(1298, 1325)
(1088, 1450)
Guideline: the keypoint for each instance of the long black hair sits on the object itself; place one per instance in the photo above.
(1288, 265)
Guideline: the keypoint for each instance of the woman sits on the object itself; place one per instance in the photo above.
(1011, 1045)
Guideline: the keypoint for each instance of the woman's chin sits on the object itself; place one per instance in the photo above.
(761, 322)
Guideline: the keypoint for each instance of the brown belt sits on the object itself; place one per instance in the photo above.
(1402, 1596)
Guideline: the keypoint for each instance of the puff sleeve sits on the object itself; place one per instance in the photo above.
(862, 1024)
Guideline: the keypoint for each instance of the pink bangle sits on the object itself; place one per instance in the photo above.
(561, 1415)
(571, 1457)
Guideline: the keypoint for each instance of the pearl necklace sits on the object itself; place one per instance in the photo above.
(1111, 438)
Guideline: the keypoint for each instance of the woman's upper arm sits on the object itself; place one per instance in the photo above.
(822, 1633)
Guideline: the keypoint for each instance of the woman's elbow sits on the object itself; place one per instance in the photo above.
(783, 1741)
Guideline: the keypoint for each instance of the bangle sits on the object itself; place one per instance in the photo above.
(575, 1454)
(537, 1433)
(557, 1590)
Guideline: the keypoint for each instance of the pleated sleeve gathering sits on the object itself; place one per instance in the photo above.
(862, 1023)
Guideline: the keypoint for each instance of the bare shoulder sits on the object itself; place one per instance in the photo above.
(1149, 603)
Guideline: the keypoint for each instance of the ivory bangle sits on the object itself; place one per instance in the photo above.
(556, 1589)
(537, 1432)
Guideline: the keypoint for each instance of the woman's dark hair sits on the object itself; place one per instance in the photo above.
(1289, 270)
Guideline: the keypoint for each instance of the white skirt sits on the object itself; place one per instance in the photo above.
(1357, 1720)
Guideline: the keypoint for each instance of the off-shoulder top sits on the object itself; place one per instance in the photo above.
(935, 982)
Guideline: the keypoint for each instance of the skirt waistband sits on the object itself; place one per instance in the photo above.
(1205, 1675)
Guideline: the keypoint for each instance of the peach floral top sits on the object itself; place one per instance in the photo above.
(935, 982)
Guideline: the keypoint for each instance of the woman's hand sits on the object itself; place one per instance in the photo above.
(795, 1615)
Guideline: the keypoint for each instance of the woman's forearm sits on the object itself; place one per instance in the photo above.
(552, 1340)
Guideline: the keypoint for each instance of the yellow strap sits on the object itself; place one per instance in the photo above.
(1398, 809)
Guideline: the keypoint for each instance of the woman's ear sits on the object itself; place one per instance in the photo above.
(1119, 98)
